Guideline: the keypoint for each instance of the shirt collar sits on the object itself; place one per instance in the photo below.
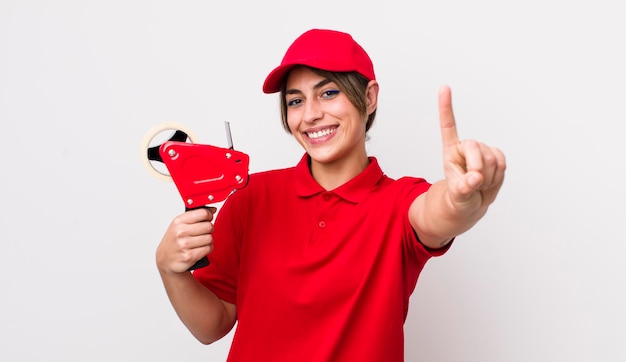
(353, 191)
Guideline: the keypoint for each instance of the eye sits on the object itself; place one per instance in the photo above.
(294, 102)
(329, 94)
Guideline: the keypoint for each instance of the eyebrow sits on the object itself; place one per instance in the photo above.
(317, 86)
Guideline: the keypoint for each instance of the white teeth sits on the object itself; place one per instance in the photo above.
(321, 133)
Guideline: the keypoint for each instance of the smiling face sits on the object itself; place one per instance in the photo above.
(325, 121)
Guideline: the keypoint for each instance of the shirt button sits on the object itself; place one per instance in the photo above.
(322, 224)
(326, 197)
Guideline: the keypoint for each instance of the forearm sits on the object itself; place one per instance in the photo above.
(436, 221)
(206, 316)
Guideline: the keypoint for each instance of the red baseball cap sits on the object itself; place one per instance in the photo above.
(324, 49)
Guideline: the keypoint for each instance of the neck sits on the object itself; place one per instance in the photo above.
(334, 174)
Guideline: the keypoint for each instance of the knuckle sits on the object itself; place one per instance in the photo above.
(490, 160)
(184, 244)
(187, 257)
(179, 233)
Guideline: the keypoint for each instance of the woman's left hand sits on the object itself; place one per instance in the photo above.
(474, 171)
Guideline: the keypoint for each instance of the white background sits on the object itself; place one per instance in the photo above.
(540, 278)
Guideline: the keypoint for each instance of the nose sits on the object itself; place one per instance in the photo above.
(312, 111)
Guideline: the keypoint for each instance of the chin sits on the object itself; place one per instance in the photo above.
(320, 156)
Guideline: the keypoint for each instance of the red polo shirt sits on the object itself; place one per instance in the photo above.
(317, 275)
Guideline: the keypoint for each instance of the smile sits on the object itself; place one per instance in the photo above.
(321, 133)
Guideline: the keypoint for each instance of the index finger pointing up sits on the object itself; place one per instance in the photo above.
(446, 118)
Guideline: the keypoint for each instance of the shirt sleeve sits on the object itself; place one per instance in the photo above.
(222, 274)
(412, 188)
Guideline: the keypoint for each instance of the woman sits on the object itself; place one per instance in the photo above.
(317, 262)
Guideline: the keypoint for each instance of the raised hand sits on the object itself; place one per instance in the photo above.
(474, 171)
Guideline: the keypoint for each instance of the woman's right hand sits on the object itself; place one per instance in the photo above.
(187, 239)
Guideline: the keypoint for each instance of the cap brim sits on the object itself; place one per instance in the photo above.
(274, 80)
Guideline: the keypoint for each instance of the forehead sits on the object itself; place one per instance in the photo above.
(303, 77)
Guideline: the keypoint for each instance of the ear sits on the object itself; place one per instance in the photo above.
(371, 93)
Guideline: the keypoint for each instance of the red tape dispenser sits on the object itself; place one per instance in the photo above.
(203, 174)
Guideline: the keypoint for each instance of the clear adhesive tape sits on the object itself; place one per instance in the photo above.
(156, 136)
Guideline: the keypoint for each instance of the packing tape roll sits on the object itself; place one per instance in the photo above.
(156, 136)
